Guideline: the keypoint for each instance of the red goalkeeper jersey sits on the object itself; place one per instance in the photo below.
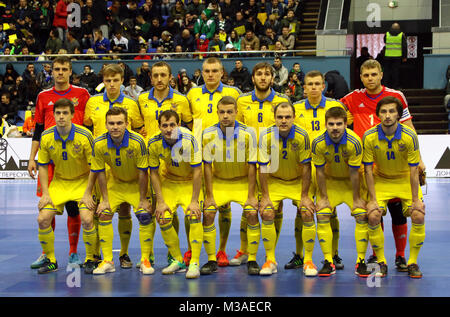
(363, 107)
(46, 99)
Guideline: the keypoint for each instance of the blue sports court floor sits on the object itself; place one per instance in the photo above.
(19, 246)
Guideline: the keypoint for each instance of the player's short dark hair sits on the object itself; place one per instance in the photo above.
(163, 64)
(261, 65)
(389, 100)
(115, 111)
(63, 103)
(314, 73)
(112, 70)
(336, 112)
(167, 115)
(62, 60)
(227, 100)
(283, 104)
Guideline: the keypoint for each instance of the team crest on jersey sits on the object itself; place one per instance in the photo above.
(295, 146)
(75, 101)
(401, 147)
(77, 147)
(130, 154)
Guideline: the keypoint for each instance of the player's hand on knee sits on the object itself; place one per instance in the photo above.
(418, 206)
(252, 201)
(44, 201)
(194, 208)
(307, 204)
(161, 209)
(264, 204)
(104, 205)
(145, 204)
(88, 201)
(32, 168)
(372, 206)
(322, 204)
(359, 204)
(209, 202)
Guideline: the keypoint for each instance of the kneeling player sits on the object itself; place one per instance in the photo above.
(69, 147)
(337, 155)
(393, 149)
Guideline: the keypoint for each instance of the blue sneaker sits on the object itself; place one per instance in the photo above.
(74, 259)
(39, 262)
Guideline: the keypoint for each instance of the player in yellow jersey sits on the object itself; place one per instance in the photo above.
(337, 155)
(391, 159)
(285, 173)
(68, 146)
(94, 116)
(203, 101)
(255, 109)
(125, 153)
(310, 115)
(176, 174)
(160, 98)
(229, 156)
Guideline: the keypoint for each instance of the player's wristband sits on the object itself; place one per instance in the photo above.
(39, 128)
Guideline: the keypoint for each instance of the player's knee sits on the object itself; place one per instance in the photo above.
(323, 218)
(307, 216)
(417, 217)
(105, 217)
(44, 221)
(374, 218)
(268, 214)
(72, 209)
(124, 210)
(208, 217)
(361, 218)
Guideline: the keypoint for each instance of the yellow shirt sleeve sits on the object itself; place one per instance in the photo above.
(318, 158)
(97, 161)
(43, 154)
(153, 156)
(368, 151)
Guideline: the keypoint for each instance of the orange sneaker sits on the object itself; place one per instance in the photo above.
(239, 258)
(187, 257)
(222, 259)
(146, 268)
(268, 268)
(309, 269)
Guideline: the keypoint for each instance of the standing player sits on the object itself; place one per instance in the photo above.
(361, 105)
(393, 149)
(160, 98)
(96, 109)
(337, 155)
(255, 109)
(176, 175)
(310, 115)
(203, 101)
(61, 70)
(69, 147)
(229, 157)
(285, 173)
(125, 153)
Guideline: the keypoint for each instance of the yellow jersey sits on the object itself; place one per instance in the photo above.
(311, 117)
(178, 160)
(151, 108)
(98, 105)
(124, 160)
(392, 155)
(204, 102)
(284, 156)
(71, 154)
(256, 113)
(229, 155)
(337, 157)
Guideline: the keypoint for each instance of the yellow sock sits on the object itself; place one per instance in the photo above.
(146, 240)
(224, 226)
(278, 221)
(298, 235)
(253, 235)
(97, 244)
(361, 239)
(416, 239)
(171, 240)
(308, 239)
(243, 234)
(90, 242)
(196, 236)
(209, 241)
(47, 239)
(106, 236)
(125, 227)
(334, 222)
(325, 236)
(269, 237)
(376, 238)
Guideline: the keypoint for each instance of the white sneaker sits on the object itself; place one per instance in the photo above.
(309, 269)
(193, 271)
(174, 267)
(239, 258)
(268, 268)
(146, 268)
(105, 267)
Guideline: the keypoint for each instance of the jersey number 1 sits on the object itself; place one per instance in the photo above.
(390, 155)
